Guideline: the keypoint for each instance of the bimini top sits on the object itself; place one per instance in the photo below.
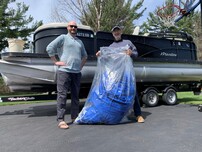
(60, 25)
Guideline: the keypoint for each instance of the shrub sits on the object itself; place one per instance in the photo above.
(3, 88)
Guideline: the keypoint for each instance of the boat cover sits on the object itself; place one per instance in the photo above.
(112, 91)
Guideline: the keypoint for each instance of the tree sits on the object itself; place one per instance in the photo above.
(14, 23)
(100, 14)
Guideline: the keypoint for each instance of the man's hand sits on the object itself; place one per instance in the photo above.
(98, 53)
(129, 52)
(60, 63)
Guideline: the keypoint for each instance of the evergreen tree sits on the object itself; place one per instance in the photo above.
(14, 23)
(112, 12)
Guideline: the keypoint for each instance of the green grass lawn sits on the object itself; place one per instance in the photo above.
(189, 98)
(183, 98)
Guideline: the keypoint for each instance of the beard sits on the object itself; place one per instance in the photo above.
(117, 37)
(73, 32)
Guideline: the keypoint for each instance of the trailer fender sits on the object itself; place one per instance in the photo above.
(148, 89)
(169, 87)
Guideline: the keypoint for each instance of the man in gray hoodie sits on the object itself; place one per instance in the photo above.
(132, 51)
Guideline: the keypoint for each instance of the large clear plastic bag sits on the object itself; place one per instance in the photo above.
(113, 89)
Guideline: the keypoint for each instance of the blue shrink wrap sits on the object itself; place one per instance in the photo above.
(113, 89)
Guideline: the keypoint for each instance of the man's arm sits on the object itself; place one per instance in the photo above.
(83, 61)
(133, 51)
(52, 49)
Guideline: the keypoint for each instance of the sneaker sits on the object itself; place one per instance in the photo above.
(140, 119)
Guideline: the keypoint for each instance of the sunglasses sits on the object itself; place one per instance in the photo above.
(73, 26)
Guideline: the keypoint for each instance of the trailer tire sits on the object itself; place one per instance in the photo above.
(170, 97)
(150, 98)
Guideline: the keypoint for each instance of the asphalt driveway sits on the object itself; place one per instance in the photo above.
(33, 128)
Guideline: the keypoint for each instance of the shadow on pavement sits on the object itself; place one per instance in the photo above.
(39, 111)
(50, 110)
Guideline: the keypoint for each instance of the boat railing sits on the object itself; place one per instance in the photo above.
(172, 35)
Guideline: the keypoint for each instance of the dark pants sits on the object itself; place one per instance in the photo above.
(136, 106)
(65, 82)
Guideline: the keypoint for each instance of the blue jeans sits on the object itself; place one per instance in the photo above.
(65, 82)
(136, 106)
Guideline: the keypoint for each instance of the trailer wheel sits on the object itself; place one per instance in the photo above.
(170, 97)
(150, 98)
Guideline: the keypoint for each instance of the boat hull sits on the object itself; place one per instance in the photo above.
(39, 74)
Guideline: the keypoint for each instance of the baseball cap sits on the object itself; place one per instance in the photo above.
(116, 27)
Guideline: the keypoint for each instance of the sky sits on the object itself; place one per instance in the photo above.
(41, 9)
